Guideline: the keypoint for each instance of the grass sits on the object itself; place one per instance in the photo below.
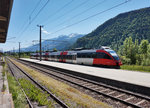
(71, 96)
(17, 95)
(3, 77)
(34, 93)
(136, 68)
(22, 56)
(3, 88)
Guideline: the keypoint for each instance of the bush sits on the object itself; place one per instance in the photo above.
(125, 60)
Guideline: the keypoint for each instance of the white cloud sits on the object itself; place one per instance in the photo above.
(45, 32)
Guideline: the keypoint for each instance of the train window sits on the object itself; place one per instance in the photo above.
(116, 57)
(67, 57)
(88, 55)
(64, 56)
(61, 57)
(71, 57)
(106, 56)
(79, 55)
(83, 55)
(99, 55)
(93, 55)
(74, 57)
(58, 56)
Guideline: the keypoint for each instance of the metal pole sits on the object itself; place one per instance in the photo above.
(40, 40)
(19, 49)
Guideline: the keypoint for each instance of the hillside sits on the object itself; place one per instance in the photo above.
(61, 43)
(114, 31)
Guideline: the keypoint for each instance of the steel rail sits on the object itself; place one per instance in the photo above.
(42, 87)
(90, 81)
(29, 102)
(117, 99)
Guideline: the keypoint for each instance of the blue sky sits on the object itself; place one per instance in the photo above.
(55, 14)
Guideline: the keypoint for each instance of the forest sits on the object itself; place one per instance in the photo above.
(134, 24)
(135, 53)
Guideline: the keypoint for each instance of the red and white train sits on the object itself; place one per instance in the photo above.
(101, 57)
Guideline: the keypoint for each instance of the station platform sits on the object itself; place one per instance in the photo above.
(5, 97)
(130, 80)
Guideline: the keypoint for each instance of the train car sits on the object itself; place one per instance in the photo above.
(100, 57)
(71, 57)
(46, 55)
(34, 55)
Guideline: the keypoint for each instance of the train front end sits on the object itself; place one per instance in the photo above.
(115, 57)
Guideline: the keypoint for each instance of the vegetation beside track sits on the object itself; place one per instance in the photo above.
(35, 94)
(18, 97)
(3, 77)
(136, 68)
(71, 96)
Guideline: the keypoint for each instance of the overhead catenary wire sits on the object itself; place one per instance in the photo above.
(60, 9)
(31, 14)
(57, 11)
(34, 17)
(81, 13)
(76, 7)
(92, 16)
(35, 8)
(40, 11)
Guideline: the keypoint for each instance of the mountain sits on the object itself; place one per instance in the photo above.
(62, 42)
(114, 31)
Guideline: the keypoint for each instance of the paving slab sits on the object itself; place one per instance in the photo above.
(5, 97)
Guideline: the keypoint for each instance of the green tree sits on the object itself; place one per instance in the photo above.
(144, 47)
(130, 51)
(147, 59)
(148, 51)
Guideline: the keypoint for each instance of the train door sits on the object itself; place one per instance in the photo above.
(98, 60)
(79, 58)
(64, 54)
(88, 60)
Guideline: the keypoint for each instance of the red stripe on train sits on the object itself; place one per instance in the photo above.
(63, 53)
(102, 61)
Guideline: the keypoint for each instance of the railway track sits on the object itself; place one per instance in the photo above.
(122, 98)
(12, 66)
(11, 69)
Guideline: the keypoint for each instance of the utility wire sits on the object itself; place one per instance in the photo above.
(40, 11)
(91, 16)
(35, 8)
(31, 13)
(81, 13)
(35, 17)
(60, 9)
(77, 7)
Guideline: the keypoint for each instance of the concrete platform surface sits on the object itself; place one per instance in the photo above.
(5, 96)
(133, 77)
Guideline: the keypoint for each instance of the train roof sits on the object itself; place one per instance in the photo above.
(105, 48)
